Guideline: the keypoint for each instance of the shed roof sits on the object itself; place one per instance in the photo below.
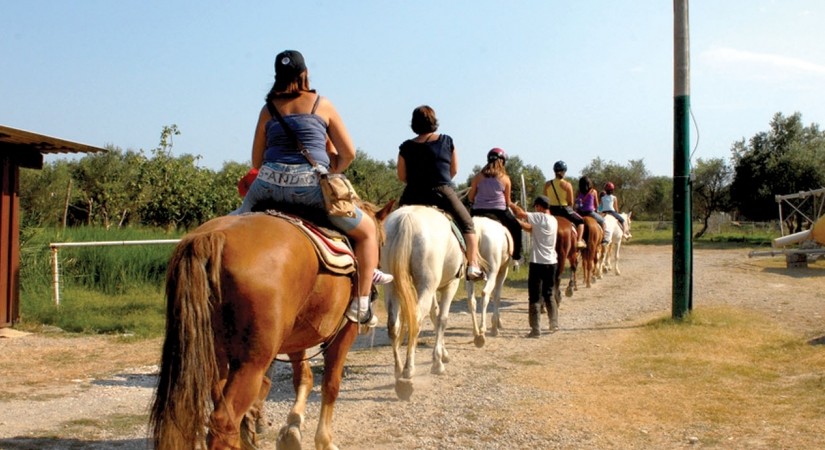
(28, 148)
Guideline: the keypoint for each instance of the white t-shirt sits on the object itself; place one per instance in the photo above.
(545, 228)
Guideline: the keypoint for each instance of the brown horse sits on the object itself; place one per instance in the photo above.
(593, 236)
(241, 290)
(567, 254)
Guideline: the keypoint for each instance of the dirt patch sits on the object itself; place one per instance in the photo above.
(93, 392)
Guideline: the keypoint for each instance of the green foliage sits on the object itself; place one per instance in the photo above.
(788, 158)
(630, 181)
(375, 181)
(711, 190)
(139, 311)
(111, 289)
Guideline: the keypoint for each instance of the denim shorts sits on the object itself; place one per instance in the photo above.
(293, 187)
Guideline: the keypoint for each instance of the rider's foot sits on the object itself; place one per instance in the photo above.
(359, 312)
(474, 273)
(581, 244)
(379, 277)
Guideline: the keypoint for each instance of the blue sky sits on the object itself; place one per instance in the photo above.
(543, 79)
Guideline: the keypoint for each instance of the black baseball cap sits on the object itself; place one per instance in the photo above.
(542, 201)
(289, 62)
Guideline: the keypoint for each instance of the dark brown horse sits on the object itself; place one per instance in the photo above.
(241, 290)
(593, 236)
(567, 254)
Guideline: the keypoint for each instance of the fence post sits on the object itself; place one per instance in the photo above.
(55, 276)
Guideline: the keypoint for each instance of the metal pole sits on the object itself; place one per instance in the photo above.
(682, 249)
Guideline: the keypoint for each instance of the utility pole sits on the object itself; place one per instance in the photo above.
(682, 245)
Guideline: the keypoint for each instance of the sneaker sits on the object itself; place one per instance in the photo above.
(357, 314)
(581, 244)
(379, 277)
(474, 273)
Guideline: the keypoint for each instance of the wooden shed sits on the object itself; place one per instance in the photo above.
(18, 149)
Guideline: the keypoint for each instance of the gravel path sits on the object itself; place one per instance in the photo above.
(512, 393)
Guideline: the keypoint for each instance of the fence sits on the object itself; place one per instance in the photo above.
(55, 248)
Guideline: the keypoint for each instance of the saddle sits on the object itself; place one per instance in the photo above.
(333, 248)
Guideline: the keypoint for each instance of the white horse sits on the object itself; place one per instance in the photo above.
(425, 257)
(495, 247)
(610, 255)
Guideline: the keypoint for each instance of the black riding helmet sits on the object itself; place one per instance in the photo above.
(560, 166)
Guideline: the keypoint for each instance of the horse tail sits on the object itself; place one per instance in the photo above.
(189, 368)
(400, 245)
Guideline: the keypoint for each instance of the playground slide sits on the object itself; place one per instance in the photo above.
(817, 233)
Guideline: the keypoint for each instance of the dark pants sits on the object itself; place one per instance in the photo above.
(540, 280)
(443, 197)
(509, 221)
(568, 213)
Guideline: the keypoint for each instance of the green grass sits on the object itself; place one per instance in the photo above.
(103, 290)
(119, 289)
(728, 236)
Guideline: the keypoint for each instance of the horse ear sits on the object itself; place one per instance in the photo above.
(385, 211)
(630, 214)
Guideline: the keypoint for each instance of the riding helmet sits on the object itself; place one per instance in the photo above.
(495, 154)
(560, 166)
(609, 186)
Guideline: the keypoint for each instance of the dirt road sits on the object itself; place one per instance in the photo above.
(88, 393)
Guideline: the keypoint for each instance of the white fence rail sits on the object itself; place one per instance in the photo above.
(55, 247)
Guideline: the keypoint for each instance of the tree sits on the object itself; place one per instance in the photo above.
(375, 181)
(711, 183)
(43, 194)
(788, 158)
(104, 185)
(657, 202)
(630, 181)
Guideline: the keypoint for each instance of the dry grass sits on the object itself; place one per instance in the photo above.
(721, 374)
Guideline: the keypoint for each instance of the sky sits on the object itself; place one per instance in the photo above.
(545, 80)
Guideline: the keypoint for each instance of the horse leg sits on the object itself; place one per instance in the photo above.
(478, 332)
(616, 258)
(572, 284)
(256, 416)
(486, 292)
(440, 354)
(241, 389)
(334, 358)
(497, 301)
(289, 436)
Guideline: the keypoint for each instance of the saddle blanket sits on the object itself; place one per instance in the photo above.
(332, 247)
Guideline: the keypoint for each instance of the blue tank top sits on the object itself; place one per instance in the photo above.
(310, 129)
(489, 194)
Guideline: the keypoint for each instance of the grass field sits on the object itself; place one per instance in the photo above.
(119, 289)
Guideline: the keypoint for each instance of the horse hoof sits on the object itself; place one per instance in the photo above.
(568, 292)
(494, 332)
(404, 388)
(438, 369)
(479, 340)
(289, 438)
